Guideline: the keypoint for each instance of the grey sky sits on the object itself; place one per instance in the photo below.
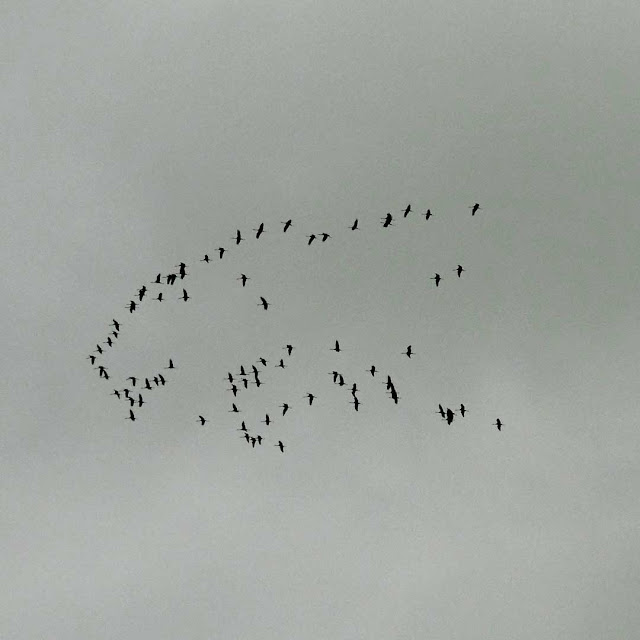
(138, 135)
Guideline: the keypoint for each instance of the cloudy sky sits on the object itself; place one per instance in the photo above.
(138, 135)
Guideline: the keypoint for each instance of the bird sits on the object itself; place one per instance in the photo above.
(280, 445)
(170, 364)
(131, 416)
(126, 393)
(116, 393)
(140, 400)
(498, 424)
(289, 349)
(233, 390)
(238, 237)
(474, 208)
(389, 383)
(437, 278)
(341, 381)
(244, 279)
(246, 437)
(114, 334)
(356, 403)
(459, 270)
(155, 379)
(354, 389)
(202, 420)
(221, 251)
(441, 411)
(354, 226)
(262, 361)
(98, 348)
(230, 377)
(427, 214)
(244, 427)
(92, 358)
(408, 352)
(103, 370)
(312, 237)
(407, 210)
(185, 295)
(109, 341)
(206, 258)
(159, 298)
(267, 420)
(157, 280)
(285, 408)
(141, 292)
(311, 398)
(253, 441)
(147, 384)
(115, 324)
(257, 382)
(264, 303)
(132, 306)
(450, 415)
(386, 221)
(336, 348)
(286, 224)
(281, 364)
(259, 438)
(325, 236)
(372, 371)
(171, 278)
(133, 380)
(242, 371)
(162, 380)
(234, 409)
(260, 230)
(394, 394)
(245, 383)
(463, 410)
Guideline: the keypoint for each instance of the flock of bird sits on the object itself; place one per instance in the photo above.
(132, 393)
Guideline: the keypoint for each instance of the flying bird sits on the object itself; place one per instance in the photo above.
(285, 408)
(244, 279)
(408, 352)
(141, 292)
(372, 371)
(450, 415)
(336, 348)
(140, 400)
(92, 358)
(407, 210)
(386, 221)
(131, 416)
(354, 226)
(202, 420)
(115, 324)
(437, 278)
(260, 230)
(133, 380)
(463, 410)
(170, 365)
(280, 445)
(157, 280)
(206, 258)
(289, 349)
(312, 237)
(459, 270)
(267, 420)
(116, 393)
(132, 306)
(98, 348)
(356, 403)
(264, 303)
(185, 295)
(262, 361)
(234, 409)
(286, 224)
(238, 237)
(325, 236)
(281, 364)
(427, 214)
(474, 208)
(159, 298)
(441, 411)
(498, 424)
(221, 251)
(311, 398)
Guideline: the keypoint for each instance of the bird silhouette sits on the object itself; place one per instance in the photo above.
(109, 341)
(407, 210)
(437, 278)
(474, 208)
(281, 364)
(312, 237)
(267, 420)
(185, 295)
(171, 366)
(356, 403)
(246, 437)
(289, 349)
(202, 420)
(336, 348)
(286, 224)
(92, 358)
(233, 390)
(253, 441)
(280, 445)
(325, 236)
(354, 226)
(131, 416)
(459, 270)
(244, 427)
(372, 371)
(132, 306)
(116, 393)
(386, 221)
(264, 303)
(427, 214)
(159, 298)
(244, 279)
(234, 408)
(141, 292)
(285, 408)
(206, 258)
(260, 230)
(450, 415)
(221, 251)
(441, 411)
(115, 324)
(162, 380)
(408, 352)
(262, 361)
(463, 410)
(147, 384)
(140, 400)
(311, 398)
(238, 237)
(99, 348)
(498, 423)
(133, 380)
(157, 280)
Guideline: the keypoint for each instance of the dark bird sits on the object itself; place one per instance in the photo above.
(171, 278)
(244, 427)
(131, 416)
(114, 334)
(450, 415)
(221, 251)
(234, 409)
(437, 278)
(389, 383)
(262, 361)
(115, 324)
(354, 226)
(245, 383)
(407, 210)
(311, 398)
(98, 348)
(354, 389)
(335, 376)
(202, 420)
(243, 278)
(312, 237)
(372, 371)
(102, 370)
(280, 445)
(140, 400)
(281, 364)
(325, 236)
(132, 401)
(264, 303)
(133, 380)
(253, 441)
(255, 371)
(386, 221)
(141, 292)
(238, 237)
(109, 341)
(286, 224)
(341, 381)
(427, 214)
(336, 348)
(92, 358)
(289, 349)
(170, 364)
(356, 403)
(408, 352)
(155, 379)
(185, 295)
(257, 382)
(132, 306)
(267, 420)
(206, 258)
(233, 390)
(459, 270)
(441, 411)
(116, 393)
(259, 438)
(394, 394)
(474, 208)
(498, 424)
(260, 230)
(246, 437)
(159, 298)
(147, 384)
(285, 408)
(126, 393)
(162, 380)
(157, 280)
(230, 377)
(242, 371)
(463, 410)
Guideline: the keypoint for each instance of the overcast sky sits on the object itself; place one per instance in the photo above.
(138, 135)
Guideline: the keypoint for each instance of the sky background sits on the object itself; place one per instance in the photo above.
(138, 135)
